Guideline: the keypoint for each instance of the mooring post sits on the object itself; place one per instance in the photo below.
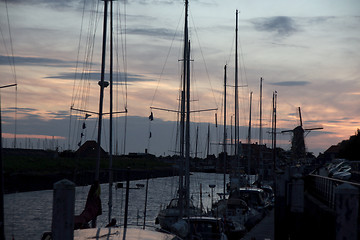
(63, 210)
(296, 207)
(280, 206)
(297, 194)
(347, 208)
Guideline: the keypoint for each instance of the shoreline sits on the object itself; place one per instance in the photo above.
(28, 182)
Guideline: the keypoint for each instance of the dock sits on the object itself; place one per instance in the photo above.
(264, 230)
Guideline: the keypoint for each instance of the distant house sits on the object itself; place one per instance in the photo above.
(89, 150)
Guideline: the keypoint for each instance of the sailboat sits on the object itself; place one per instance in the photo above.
(112, 231)
(181, 216)
(182, 207)
(244, 205)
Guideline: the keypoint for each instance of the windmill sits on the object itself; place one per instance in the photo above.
(297, 141)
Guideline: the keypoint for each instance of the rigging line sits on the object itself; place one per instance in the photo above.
(124, 57)
(125, 54)
(203, 58)
(231, 49)
(149, 136)
(125, 70)
(243, 63)
(84, 86)
(6, 50)
(11, 42)
(76, 68)
(86, 69)
(123, 49)
(14, 72)
(116, 79)
(78, 54)
(167, 57)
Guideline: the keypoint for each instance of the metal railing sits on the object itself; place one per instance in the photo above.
(323, 188)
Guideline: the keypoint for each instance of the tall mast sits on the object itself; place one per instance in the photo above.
(197, 138)
(274, 130)
(260, 163)
(111, 113)
(224, 143)
(2, 225)
(102, 86)
(260, 132)
(231, 135)
(187, 146)
(183, 142)
(208, 142)
(249, 135)
(236, 91)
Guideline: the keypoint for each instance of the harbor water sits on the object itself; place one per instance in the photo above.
(28, 214)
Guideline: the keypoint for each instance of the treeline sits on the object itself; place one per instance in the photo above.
(350, 149)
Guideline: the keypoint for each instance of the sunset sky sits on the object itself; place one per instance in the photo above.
(307, 51)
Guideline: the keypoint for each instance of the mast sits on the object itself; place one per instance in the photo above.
(260, 163)
(231, 135)
(2, 225)
(102, 86)
(208, 142)
(197, 138)
(224, 143)
(236, 92)
(260, 132)
(185, 102)
(111, 114)
(274, 130)
(187, 146)
(249, 135)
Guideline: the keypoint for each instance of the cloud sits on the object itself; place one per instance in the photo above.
(153, 32)
(63, 4)
(282, 25)
(289, 45)
(97, 76)
(152, 2)
(11, 109)
(290, 83)
(36, 61)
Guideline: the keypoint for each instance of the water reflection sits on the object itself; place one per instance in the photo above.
(28, 215)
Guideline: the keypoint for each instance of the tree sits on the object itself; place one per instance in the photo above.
(350, 149)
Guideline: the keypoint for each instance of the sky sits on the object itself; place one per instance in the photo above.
(306, 51)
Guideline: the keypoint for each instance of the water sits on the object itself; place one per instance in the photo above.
(28, 215)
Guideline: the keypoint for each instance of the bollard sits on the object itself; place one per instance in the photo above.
(346, 207)
(63, 210)
(297, 194)
(280, 223)
(295, 216)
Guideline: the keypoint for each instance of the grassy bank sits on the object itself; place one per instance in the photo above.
(38, 172)
(46, 165)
